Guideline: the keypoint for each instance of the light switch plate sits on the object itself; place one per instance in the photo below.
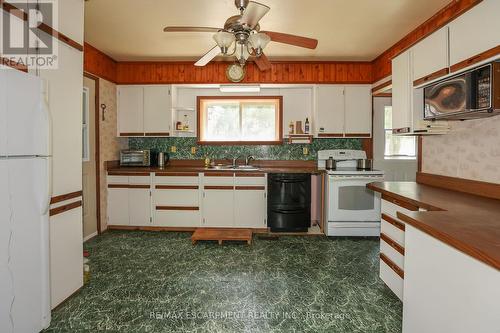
(173, 149)
(193, 150)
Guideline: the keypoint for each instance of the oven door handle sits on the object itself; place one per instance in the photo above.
(371, 179)
(288, 211)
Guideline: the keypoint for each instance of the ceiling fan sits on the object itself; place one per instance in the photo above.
(244, 32)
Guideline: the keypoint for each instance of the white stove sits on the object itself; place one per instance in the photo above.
(351, 208)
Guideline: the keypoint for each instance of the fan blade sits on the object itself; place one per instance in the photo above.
(254, 13)
(214, 52)
(263, 62)
(279, 37)
(190, 29)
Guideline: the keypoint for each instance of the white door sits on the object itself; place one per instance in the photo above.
(358, 110)
(157, 110)
(250, 208)
(130, 110)
(139, 204)
(6, 285)
(118, 212)
(27, 115)
(330, 110)
(401, 85)
(349, 200)
(218, 208)
(28, 245)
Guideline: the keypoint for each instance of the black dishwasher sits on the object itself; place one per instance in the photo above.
(289, 202)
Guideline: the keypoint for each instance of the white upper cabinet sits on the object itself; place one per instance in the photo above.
(144, 110)
(475, 31)
(431, 55)
(157, 110)
(70, 19)
(297, 106)
(130, 110)
(358, 110)
(401, 91)
(330, 116)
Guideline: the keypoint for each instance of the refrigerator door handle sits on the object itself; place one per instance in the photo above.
(47, 197)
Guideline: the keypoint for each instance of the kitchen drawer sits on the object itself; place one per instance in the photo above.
(393, 228)
(218, 181)
(251, 180)
(391, 253)
(391, 279)
(177, 218)
(117, 179)
(139, 180)
(188, 179)
(391, 206)
(176, 197)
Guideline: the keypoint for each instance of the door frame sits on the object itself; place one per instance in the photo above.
(97, 151)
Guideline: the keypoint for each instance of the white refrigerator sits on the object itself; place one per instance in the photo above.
(25, 192)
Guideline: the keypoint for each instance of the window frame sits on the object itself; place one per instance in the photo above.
(394, 156)
(199, 119)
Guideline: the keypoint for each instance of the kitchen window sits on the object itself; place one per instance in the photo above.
(240, 120)
(397, 147)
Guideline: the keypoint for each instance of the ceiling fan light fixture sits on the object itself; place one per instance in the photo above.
(224, 40)
(259, 41)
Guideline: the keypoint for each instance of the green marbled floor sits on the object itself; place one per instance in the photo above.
(159, 282)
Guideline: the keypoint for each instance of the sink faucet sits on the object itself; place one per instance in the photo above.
(234, 160)
(248, 159)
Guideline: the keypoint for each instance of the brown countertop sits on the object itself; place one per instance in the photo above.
(196, 166)
(464, 221)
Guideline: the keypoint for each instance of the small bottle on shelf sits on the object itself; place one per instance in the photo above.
(306, 126)
(186, 123)
(291, 129)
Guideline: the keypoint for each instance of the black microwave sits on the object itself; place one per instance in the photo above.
(470, 95)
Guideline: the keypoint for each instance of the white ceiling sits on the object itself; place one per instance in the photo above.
(346, 29)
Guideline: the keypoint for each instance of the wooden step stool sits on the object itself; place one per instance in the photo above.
(222, 234)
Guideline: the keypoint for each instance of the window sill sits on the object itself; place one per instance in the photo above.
(405, 158)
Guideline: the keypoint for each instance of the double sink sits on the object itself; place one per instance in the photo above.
(229, 167)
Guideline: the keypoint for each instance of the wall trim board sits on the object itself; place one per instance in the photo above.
(469, 186)
(98, 63)
(13, 64)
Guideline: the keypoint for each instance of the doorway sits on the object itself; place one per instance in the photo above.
(90, 157)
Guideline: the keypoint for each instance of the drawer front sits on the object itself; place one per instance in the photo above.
(117, 179)
(391, 209)
(391, 279)
(218, 181)
(392, 253)
(393, 232)
(250, 181)
(139, 180)
(176, 197)
(176, 180)
(177, 218)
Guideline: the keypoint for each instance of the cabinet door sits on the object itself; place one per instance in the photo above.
(218, 208)
(358, 111)
(297, 106)
(401, 89)
(431, 55)
(250, 208)
(330, 110)
(130, 111)
(475, 31)
(157, 111)
(139, 205)
(118, 203)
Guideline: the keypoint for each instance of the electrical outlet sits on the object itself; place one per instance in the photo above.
(305, 151)
(193, 150)
(173, 149)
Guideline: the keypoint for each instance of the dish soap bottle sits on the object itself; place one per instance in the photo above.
(306, 126)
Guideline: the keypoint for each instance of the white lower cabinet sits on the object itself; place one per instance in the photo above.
(250, 207)
(118, 206)
(218, 207)
(139, 206)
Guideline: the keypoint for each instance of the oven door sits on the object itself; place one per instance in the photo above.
(349, 200)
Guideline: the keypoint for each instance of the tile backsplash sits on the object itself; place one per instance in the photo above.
(272, 152)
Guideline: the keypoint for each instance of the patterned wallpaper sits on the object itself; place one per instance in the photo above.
(471, 150)
(110, 145)
(277, 152)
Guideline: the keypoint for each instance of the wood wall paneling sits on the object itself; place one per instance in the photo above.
(382, 64)
(98, 63)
